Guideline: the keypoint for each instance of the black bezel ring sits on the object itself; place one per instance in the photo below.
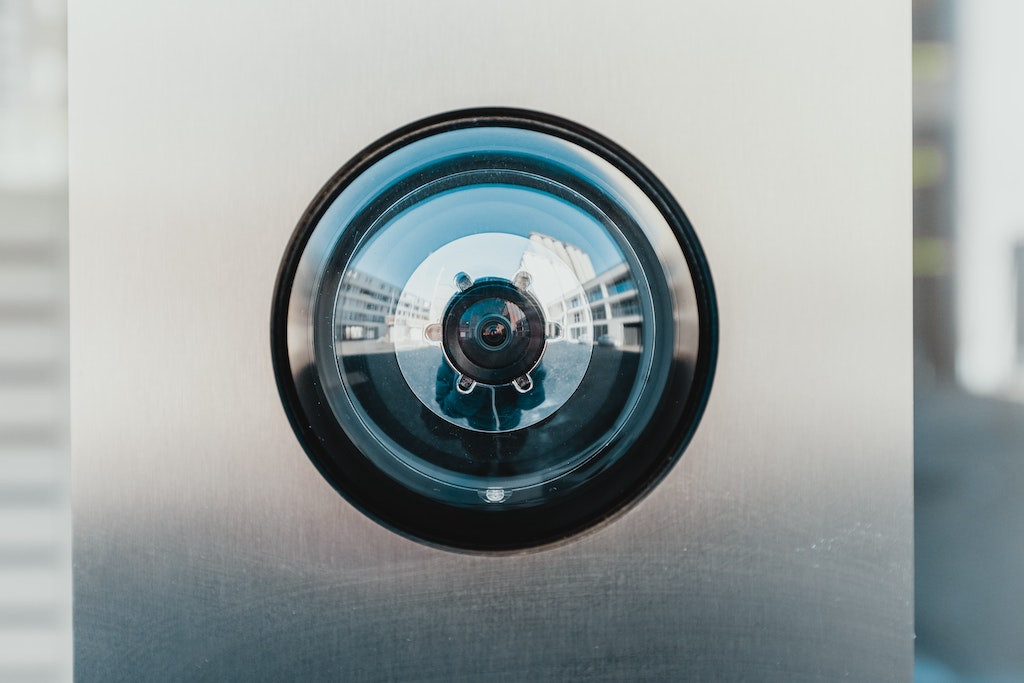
(659, 445)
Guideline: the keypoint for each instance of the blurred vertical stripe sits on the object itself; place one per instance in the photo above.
(35, 528)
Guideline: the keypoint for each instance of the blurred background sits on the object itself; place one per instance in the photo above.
(969, 339)
(35, 516)
(968, 333)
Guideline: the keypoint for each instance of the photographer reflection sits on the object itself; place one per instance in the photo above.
(487, 408)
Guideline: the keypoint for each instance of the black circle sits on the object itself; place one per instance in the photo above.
(668, 426)
(494, 331)
(516, 350)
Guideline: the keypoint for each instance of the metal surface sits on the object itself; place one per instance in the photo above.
(206, 545)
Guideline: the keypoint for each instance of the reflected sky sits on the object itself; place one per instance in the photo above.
(392, 254)
(491, 255)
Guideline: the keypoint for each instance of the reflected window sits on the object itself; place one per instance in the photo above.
(624, 308)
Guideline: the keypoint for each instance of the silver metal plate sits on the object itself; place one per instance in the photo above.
(207, 547)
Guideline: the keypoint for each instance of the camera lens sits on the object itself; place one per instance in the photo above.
(493, 332)
(493, 329)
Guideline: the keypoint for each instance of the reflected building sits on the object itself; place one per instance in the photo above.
(567, 311)
(601, 308)
(606, 311)
(574, 257)
(369, 308)
(615, 307)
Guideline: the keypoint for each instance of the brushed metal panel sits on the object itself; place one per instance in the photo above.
(207, 547)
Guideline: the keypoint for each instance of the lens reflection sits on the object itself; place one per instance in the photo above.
(549, 402)
(517, 261)
(487, 408)
(493, 327)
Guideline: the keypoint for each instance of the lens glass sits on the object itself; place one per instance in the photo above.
(499, 320)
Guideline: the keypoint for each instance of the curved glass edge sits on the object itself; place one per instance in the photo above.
(424, 152)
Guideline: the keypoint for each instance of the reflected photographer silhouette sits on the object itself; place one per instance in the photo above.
(486, 408)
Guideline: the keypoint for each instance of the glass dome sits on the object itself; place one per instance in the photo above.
(486, 319)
